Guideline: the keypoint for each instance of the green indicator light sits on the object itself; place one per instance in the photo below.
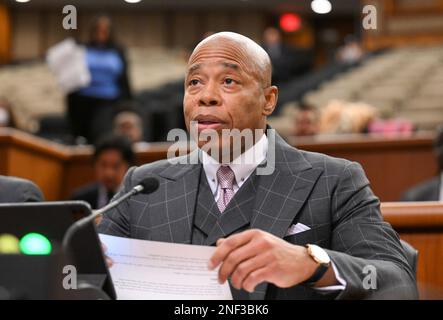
(35, 243)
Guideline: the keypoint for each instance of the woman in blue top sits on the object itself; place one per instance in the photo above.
(90, 109)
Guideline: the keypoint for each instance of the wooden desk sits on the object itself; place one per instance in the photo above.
(421, 224)
(391, 164)
(39, 160)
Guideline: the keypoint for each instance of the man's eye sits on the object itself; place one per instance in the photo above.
(229, 81)
(193, 82)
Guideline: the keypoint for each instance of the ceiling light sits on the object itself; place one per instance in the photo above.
(321, 6)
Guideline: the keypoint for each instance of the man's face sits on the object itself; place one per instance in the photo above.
(130, 126)
(223, 91)
(102, 31)
(110, 169)
(271, 37)
(306, 123)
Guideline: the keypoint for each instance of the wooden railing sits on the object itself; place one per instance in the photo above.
(55, 168)
(421, 225)
(392, 164)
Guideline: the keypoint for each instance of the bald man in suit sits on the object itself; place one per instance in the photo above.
(309, 229)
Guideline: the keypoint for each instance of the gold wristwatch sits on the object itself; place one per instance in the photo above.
(320, 256)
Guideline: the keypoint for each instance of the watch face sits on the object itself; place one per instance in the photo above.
(319, 254)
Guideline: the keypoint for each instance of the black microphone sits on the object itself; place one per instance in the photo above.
(146, 186)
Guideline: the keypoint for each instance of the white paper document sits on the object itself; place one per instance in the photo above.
(153, 270)
(67, 61)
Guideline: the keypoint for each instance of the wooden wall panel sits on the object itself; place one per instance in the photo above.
(405, 23)
(26, 35)
(35, 31)
(5, 34)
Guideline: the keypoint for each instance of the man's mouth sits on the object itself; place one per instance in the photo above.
(208, 125)
(208, 122)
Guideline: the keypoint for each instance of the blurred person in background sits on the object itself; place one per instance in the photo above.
(351, 51)
(343, 117)
(129, 123)
(287, 62)
(6, 115)
(307, 121)
(430, 190)
(112, 158)
(389, 127)
(90, 108)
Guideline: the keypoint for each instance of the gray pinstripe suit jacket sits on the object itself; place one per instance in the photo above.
(331, 196)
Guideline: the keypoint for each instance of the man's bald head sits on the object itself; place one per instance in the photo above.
(251, 55)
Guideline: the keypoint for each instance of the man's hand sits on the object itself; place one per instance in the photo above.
(254, 256)
(108, 260)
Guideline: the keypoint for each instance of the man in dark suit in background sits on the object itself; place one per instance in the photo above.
(19, 190)
(287, 62)
(311, 228)
(430, 190)
(112, 158)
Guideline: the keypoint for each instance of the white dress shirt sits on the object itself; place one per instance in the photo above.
(243, 166)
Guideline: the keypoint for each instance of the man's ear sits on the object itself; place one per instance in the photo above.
(271, 96)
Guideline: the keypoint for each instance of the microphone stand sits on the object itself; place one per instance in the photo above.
(96, 213)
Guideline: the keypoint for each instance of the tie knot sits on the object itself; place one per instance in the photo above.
(226, 177)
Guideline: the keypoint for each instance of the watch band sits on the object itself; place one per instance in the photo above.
(318, 274)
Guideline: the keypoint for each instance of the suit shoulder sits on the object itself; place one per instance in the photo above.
(328, 163)
(155, 168)
(339, 176)
(152, 168)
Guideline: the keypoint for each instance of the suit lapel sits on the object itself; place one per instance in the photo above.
(280, 198)
(206, 214)
(180, 195)
(281, 195)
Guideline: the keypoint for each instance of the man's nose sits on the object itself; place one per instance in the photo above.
(210, 95)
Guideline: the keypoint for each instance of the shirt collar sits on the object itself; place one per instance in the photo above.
(243, 166)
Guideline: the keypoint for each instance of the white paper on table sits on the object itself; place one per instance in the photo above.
(67, 61)
(152, 270)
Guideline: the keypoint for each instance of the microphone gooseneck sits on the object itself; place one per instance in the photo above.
(146, 186)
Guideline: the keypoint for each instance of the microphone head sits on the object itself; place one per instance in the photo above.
(149, 184)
